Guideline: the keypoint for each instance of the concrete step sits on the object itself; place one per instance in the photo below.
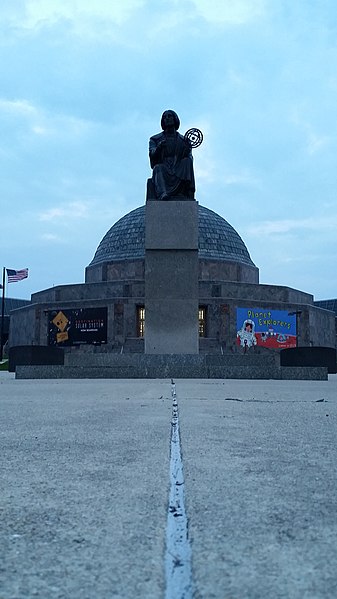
(209, 345)
(171, 366)
(133, 345)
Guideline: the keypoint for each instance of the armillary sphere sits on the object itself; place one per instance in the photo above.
(194, 136)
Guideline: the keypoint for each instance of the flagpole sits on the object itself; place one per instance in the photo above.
(2, 313)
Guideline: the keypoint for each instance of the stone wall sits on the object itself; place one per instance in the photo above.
(214, 270)
(209, 270)
(29, 325)
(90, 291)
(115, 271)
(321, 327)
(24, 326)
(232, 290)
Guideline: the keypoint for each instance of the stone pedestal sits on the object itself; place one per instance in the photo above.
(171, 277)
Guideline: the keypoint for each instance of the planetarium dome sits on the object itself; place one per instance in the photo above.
(218, 240)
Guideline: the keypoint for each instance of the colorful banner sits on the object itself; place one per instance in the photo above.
(267, 328)
(77, 326)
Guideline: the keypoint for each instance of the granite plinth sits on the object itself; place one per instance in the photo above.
(170, 326)
(171, 278)
(171, 225)
(172, 275)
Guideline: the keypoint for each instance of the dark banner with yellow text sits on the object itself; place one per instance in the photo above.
(77, 326)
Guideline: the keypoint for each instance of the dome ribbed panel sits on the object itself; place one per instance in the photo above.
(125, 240)
(218, 240)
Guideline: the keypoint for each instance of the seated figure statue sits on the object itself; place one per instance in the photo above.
(171, 160)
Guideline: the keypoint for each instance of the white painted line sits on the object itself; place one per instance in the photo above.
(178, 555)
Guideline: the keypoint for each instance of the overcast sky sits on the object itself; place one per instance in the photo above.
(83, 85)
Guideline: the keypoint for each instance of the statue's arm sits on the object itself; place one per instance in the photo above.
(155, 146)
(187, 148)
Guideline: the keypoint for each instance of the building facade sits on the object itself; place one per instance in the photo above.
(107, 312)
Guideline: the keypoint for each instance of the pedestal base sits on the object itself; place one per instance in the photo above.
(171, 278)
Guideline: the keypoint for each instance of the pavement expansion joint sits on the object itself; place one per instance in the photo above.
(178, 554)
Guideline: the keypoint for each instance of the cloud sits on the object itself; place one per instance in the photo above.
(84, 15)
(86, 81)
(37, 14)
(243, 177)
(51, 237)
(314, 141)
(236, 78)
(43, 122)
(17, 107)
(233, 12)
(40, 130)
(316, 224)
(73, 210)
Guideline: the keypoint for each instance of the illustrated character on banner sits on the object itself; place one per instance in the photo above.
(247, 334)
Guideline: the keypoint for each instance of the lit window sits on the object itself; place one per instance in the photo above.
(140, 321)
(202, 321)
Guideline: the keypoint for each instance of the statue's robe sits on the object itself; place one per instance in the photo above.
(172, 165)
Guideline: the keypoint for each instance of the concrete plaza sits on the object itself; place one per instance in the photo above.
(85, 483)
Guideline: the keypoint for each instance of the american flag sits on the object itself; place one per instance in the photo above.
(16, 275)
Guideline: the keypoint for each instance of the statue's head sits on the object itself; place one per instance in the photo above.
(175, 119)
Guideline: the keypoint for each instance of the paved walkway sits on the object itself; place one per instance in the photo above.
(86, 481)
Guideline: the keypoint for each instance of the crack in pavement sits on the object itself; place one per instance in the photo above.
(178, 555)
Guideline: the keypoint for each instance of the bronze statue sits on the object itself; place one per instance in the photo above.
(171, 160)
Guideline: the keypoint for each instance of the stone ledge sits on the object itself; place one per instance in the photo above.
(171, 366)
